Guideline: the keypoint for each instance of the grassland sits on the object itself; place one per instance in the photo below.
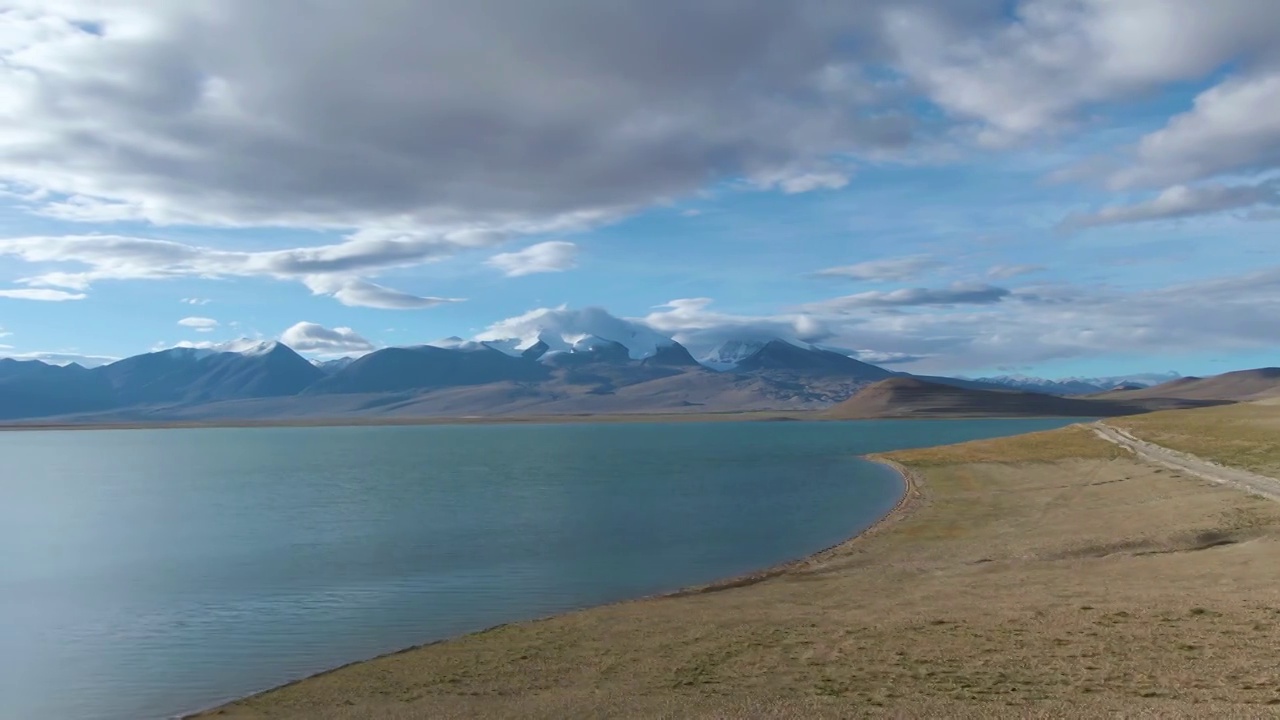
(1044, 576)
(1246, 435)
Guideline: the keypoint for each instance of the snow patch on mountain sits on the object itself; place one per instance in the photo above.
(1080, 385)
(728, 355)
(563, 330)
(242, 346)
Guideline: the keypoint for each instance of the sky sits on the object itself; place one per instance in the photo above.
(1043, 187)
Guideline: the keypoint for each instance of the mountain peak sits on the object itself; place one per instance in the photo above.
(781, 355)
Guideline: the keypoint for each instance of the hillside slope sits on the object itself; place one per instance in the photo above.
(911, 397)
(1238, 386)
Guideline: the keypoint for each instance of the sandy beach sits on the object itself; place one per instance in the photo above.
(1048, 575)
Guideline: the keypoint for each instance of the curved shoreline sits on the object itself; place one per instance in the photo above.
(912, 496)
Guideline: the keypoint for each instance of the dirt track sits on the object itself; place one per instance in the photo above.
(1262, 485)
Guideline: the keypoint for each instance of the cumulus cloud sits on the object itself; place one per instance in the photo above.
(889, 269)
(1034, 73)
(234, 118)
(1179, 202)
(957, 294)
(553, 256)
(199, 324)
(40, 294)
(312, 337)
(1233, 127)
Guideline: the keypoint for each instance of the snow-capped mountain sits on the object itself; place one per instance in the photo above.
(334, 365)
(237, 370)
(728, 355)
(548, 343)
(548, 332)
(792, 357)
(1079, 385)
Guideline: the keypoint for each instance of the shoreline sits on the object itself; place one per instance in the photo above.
(1047, 574)
(912, 498)
(568, 419)
(584, 419)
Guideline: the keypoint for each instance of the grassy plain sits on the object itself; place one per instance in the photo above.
(1042, 576)
(1245, 435)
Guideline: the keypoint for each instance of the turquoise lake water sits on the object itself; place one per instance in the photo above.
(146, 573)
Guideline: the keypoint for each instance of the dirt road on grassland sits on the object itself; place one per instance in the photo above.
(1267, 487)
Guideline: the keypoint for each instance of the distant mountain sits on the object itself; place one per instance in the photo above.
(614, 368)
(601, 332)
(780, 355)
(911, 397)
(1077, 385)
(727, 355)
(1238, 386)
(190, 375)
(428, 367)
(32, 388)
(329, 367)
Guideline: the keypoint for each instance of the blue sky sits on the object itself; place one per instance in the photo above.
(1073, 188)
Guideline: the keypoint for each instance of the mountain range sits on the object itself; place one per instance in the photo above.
(547, 373)
(1079, 385)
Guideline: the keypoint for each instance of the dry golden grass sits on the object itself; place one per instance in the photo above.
(1246, 435)
(1045, 576)
(1072, 442)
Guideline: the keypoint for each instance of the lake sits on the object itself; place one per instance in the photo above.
(146, 573)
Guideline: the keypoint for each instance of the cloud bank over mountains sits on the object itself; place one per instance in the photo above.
(1026, 325)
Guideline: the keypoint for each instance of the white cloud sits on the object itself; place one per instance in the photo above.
(693, 324)
(899, 269)
(241, 344)
(1233, 127)
(1004, 272)
(1181, 201)
(554, 256)
(1034, 74)
(41, 294)
(233, 118)
(795, 182)
(1028, 326)
(325, 270)
(312, 337)
(880, 357)
(956, 294)
(362, 293)
(195, 301)
(199, 324)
